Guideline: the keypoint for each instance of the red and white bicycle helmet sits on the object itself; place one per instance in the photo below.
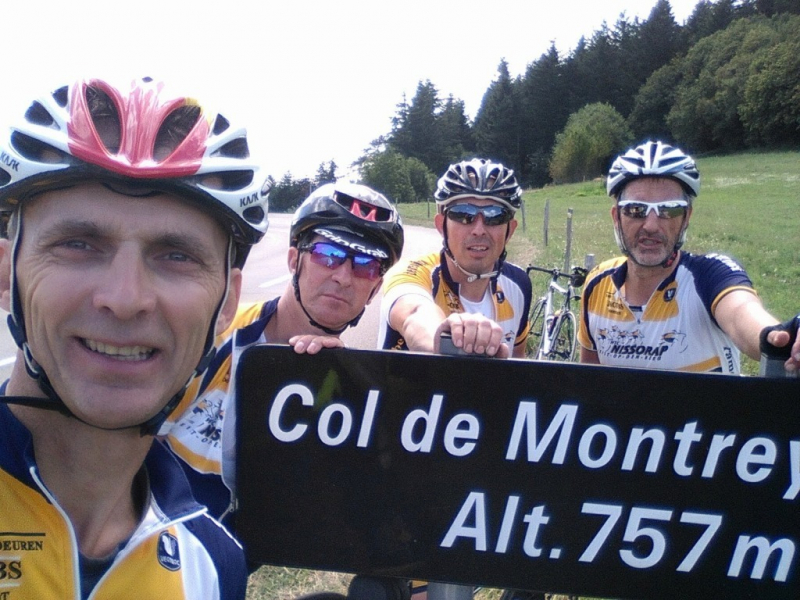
(653, 159)
(478, 178)
(140, 133)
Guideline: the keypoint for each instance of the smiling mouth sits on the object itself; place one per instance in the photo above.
(128, 353)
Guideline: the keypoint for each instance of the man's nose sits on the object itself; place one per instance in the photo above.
(126, 287)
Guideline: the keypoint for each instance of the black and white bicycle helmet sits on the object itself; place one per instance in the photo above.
(653, 159)
(370, 222)
(478, 178)
(142, 138)
(351, 215)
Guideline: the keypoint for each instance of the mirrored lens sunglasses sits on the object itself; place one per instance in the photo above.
(668, 209)
(467, 213)
(332, 257)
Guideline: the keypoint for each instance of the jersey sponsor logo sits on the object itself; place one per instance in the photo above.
(629, 343)
(614, 306)
(169, 555)
(726, 260)
(453, 303)
(202, 426)
(10, 570)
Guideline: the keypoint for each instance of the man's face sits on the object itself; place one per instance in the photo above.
(476, 245)
(650, 240)
(118, 294)
(333, 295)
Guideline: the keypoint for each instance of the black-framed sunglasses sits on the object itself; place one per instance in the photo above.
(332, 257)
(669, 209)
(466, 214)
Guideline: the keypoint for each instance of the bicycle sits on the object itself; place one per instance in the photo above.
(553, 324)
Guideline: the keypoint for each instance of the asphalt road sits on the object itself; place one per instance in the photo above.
(265, 277)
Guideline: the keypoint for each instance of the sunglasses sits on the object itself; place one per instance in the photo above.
(668, 209)
(467, 213)
(332, 257)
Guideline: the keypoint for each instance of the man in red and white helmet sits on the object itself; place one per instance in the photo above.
(343, 238)
(468, 288)
(659, 306)
(127, 235)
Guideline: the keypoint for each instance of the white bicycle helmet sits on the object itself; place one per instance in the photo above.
(653, 159)
(478, 178)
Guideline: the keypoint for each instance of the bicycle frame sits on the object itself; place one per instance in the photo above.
(553, 324)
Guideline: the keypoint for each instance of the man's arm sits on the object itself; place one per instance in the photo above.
(742, 316)
(420, 322)
(589, 357)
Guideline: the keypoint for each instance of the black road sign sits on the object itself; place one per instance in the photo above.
(560, 477)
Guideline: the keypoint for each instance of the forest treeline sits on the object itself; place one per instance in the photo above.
(726, 80)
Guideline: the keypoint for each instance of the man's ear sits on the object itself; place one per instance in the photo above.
(291, 259)
(438, 221)
(512, 227)
(231, 303)
(5, 275)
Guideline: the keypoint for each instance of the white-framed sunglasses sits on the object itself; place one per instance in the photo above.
(668, 209)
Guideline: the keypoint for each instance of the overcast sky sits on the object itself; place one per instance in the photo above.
(312, 81)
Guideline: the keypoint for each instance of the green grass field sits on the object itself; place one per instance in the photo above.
(748, 208)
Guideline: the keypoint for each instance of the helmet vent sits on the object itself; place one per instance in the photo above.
(175, 129)
(254, 214)
(221, 124)
(39, 115)
(61, 96)
(35, 150)
(105, 117)
(234, 149)
(229, 181)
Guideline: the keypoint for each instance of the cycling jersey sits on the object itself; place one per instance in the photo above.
(176, 552)
(676, 329)
(202, 429)
(507, 301)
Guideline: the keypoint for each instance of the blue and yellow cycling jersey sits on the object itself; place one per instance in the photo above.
(201, 431)
(676, 329)
(178, 551)
(509, 297)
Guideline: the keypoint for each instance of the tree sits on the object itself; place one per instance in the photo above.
(401, 178)
(770, 109)
(705, 114)
(325, 173)
(593, 135)
(543, 113)
(287, 195)
(652, 103)
(497, 133)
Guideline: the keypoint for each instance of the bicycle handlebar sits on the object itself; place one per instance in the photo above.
(576, 277)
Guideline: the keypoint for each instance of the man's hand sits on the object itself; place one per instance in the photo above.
(779, 336)
(473, 333)
(311, 344)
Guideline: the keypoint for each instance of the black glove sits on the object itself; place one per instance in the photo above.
(785, 352)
